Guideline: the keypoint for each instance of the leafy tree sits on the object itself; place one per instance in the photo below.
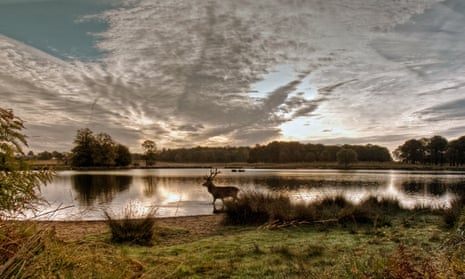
(82, 152)
(123, 156)
(412, 151)
(45, 155)
(18, 184)
(30, 154)
(57, 155)
(150, 149)
(98, 151)
(104, 151)
(372, 153)
(437, 147)
(456, 152)
(346, 156)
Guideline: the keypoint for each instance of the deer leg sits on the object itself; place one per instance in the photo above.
(222, 205)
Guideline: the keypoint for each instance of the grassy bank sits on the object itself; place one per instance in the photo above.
(407, 244)
(304, 251)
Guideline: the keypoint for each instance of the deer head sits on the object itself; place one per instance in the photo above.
(209, 178)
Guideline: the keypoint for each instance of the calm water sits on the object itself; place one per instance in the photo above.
(178, 192)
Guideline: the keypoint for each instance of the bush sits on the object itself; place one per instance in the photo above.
(258, 208)
(254, 208)
(18, 245)
(18, 185)
(404, 264)
(133, 227)
(452, 215)
(372, 211)
(29, 252)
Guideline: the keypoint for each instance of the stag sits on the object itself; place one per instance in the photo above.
(219, 192)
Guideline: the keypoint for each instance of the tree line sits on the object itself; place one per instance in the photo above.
(274, 152)
(99, 150)
(436, 150)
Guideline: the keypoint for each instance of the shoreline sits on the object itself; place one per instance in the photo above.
(243, 166)
(76, 230)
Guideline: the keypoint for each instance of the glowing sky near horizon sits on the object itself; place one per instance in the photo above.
(188, 72)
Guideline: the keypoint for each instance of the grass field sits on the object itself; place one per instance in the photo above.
(413, 244)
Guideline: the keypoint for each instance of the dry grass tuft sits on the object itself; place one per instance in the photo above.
(134, 227)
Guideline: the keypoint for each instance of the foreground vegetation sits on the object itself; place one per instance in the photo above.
(263, 236)
(328, 239)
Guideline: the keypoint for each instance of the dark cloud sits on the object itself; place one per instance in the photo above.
(446, 111)
(182, 72)
(191, 127)
(254, 135)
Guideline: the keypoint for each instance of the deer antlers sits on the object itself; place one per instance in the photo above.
(213, 174)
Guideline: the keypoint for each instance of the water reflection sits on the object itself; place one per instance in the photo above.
(435, 187)
(100, 189)
(156, 184)
(178, 192)
(293, 184)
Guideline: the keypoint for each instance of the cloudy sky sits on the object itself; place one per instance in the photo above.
(242, 72)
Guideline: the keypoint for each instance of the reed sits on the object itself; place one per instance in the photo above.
(276, 210)
(133, 227)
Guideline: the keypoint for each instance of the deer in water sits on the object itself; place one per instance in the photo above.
(219, 192)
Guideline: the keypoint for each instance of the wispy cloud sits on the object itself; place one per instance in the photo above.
(452, 110)
(182, 72)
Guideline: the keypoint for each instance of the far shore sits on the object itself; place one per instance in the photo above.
(238, 166)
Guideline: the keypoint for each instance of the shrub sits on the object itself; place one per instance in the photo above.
(133, 227)
(276, 210)
(20, 244)
(18, 185)
(452, 214)
(254, 208)
(29, 252)
(331, 207)
(404, 265)
(372, 211)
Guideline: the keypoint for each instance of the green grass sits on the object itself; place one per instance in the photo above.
(413, 244)
(285, 253)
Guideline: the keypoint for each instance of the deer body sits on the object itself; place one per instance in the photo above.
(219, 192)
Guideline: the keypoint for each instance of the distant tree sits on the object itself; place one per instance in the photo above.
(412, 151)
(19, 186)
(123, 156)
(45, 155)
(372, 153)
(150, 149)
(346, 156)
(82, 153)
(104, 151)
(97, 151)
(456, 152)
(437, 147)
(57, 155)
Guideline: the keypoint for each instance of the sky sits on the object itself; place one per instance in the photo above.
(185, 73)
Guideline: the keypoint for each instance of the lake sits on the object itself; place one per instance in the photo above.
(83, 195)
